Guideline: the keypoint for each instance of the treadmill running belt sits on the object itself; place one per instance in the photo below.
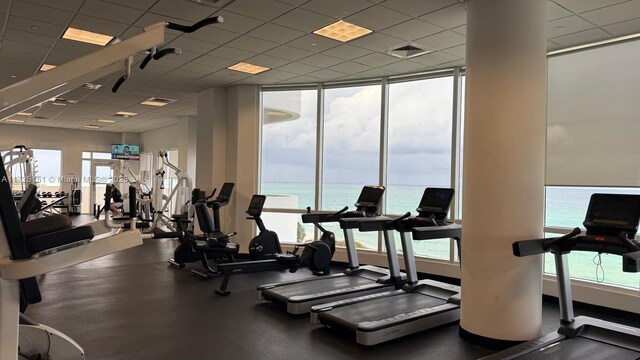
(579, 348)
(348, 317)
(313, 287)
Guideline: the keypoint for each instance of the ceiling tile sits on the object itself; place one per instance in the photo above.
(555, 11)
(376, 60)
(281, 75)
(298, 68)
(315, 43)
(268, 61)
(346, 52)
(462, 30)
(28, 38)
(109, 11)
(373, 73)
(568, 25)
(326, 74)
(434, 58)
(214, 34)
(276, 33)
(412, 29)
(214, 61)
(101, 26)
(615, 13)
(449, 17)
(293, 2)
(349, 67)
(252, 44)
(257, 80)
(263, 9)
(582, 37)
(377, 42)
(67, 5)
(138, 4)
(193, 45)
(186, 10)
(377, 18)
(238, 23)
(36, 27)
(227, 52)
(418, 7)
(289, 53)
(31, 49)
(203, 69)
(303, 20)
(624, 28)
(403, 67)
(337, 9)
(320, 60)
(42, 13)
(550, 46)
(443, 40)
(459, 51)
(579, 6)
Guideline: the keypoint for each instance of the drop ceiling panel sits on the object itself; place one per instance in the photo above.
(624, 28)
(412, 30)
(376, 59)
(326, 74)
(281, 75)
(185, 10)
(109, 11)
(232, 53)
(42, 13)
(377, 18)
(403, 67)
(198, 47)
(238, 23)
(303, 20)
(346, 52)
(459, 51)
(349, 67)
(214, 34)
(67, 5)
(568, 25)
(377, 42)
(101, 26)
(418, 7)
(314, 43)
(213, 61)
(614, 14)
(582, 37)
(275, 33)
(555, 11)
(434, 58)
(443, 40)
(298, 68)
(337, 9)
(267, 61)
(289, 53)
(579, 6)
(137, 4)
(320, 60)
(252, 44)
(40, 28)
(264, 9)
(450, 17)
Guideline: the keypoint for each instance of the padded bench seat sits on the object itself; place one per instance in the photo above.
(47, 224)
(51, 240)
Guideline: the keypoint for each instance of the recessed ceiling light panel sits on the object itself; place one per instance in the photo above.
(248, 68)
(156, 101)
(24, 114)
(125, 114)
(86, 36)
(15, 121)
(107, 121)
(342, 31)
(46, 67)
(94, 127)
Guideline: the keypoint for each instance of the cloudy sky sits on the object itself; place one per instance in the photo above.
(419, 135)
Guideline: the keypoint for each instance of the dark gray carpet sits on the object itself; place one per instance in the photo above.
(132, 305)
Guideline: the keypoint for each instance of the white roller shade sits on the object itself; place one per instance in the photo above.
(593, 129)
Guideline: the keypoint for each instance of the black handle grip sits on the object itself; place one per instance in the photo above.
(118, 83)
(393, 222)
(164, 52)
(575, 232)
(202, 23)
(146, 60)
(212, 194)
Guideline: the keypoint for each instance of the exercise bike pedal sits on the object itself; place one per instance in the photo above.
(205, 274)
(223, 292)
(175, 264)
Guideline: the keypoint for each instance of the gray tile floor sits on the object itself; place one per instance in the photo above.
(132, 305)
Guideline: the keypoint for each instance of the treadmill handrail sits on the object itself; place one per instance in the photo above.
(354, 222)
(320, 217)
(376, 224)
(437, 232)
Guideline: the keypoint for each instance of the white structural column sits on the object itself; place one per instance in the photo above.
(504, 154)
(211, 125)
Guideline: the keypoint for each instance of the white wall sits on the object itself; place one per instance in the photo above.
(71, 142)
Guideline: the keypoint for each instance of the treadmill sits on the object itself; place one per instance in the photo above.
(420, 304)
(611, 223)
(297, 296)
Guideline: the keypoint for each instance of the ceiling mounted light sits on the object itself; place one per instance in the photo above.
(94, 127)
(107, 121)
(15, 121)
(126, 114)
(24, 114)
(46, 67)
(248, 68)
(91, 86)
(156, 101)
(86, 36)
(342, 31)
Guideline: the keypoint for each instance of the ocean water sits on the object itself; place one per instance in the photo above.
(565, 207)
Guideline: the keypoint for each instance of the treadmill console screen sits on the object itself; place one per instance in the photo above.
(256, 204)
(225, 192)
(369, 198)
(436, 202)
(610, 214)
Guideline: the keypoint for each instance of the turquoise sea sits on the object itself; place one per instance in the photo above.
(565, 207)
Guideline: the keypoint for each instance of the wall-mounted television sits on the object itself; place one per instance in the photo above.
(125, 151)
